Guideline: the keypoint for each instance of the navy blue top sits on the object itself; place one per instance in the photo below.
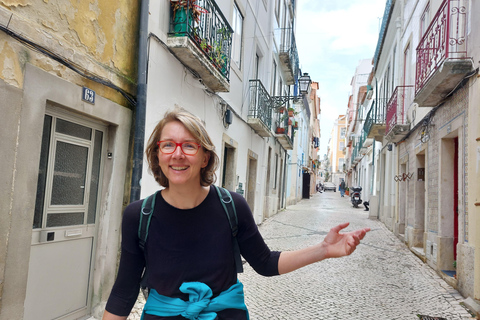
(186, 245)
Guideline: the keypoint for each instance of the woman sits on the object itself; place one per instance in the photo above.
(189, 249)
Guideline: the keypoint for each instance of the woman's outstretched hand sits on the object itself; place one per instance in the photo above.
(339, 244)
(334, 245)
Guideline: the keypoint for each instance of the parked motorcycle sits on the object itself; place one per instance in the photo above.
(355, 196)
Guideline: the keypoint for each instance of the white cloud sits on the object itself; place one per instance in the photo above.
(332, 37)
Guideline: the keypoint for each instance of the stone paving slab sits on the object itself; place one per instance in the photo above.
(382, 279)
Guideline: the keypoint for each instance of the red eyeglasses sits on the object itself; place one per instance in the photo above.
(188, 148)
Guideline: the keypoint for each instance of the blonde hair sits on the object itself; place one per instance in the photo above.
(196, 128)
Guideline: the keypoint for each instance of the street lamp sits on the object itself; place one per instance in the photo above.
(304, 83)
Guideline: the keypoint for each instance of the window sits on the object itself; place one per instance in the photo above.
(237, 25)
(406, 66)
(425, 20)
(393, 66)
(276, 172)
(277, 9)
(342, 145)
(274, 79)
(342, 132)
(386, 81)
(341, 162)
(257, 66)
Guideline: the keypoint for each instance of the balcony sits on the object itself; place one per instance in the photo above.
(288, 55)
(397, 126)
(375, 121)
(356, 155)
(260, 109)
(365, 142)
(442, 54)
(201, 38)
(284, 131)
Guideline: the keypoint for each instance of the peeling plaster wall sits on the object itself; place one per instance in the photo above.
(99, 36)
(100, 39)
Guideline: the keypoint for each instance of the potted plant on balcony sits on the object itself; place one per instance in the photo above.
(280, 130)
(185, 13)
(291, 112)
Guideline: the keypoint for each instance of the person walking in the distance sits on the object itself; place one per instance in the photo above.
(342, 188)
(189, 252)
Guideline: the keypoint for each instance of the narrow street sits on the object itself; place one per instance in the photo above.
(382, 279)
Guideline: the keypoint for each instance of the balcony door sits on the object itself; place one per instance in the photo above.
(64, 226)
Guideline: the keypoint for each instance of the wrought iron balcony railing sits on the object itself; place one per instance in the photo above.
(289, 54)
(260, 108)
(444, 39)
(367, 126)
(356, 156)
(204, 23)
(365, 141)
(375, 120)
(284, 131)
(401, 99)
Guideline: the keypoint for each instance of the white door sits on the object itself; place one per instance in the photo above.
(64, 229)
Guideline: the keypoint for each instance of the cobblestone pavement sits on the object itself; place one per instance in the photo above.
(382, 279)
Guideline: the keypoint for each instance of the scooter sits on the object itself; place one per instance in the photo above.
(355, 196)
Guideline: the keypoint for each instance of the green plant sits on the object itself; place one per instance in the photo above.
(224, 32)
(218, 56)
(205, 46)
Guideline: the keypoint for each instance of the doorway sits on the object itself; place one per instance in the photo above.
(306, 185)
(448, 202)
(228, 173)
(419, 209)
(251, 181)
(266, 211)
(402, 199)
(64, 224)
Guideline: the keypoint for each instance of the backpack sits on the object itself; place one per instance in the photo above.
(146, 214)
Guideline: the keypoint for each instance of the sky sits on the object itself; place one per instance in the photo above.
(332, 37)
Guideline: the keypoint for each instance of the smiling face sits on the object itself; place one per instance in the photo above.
(181, 169)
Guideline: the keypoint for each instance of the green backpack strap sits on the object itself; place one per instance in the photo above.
(227, 203)
(146, 214)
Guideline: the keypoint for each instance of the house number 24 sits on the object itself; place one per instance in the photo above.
(88, 95)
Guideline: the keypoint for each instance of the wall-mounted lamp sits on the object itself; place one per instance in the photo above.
(304, 83)
(228, 116)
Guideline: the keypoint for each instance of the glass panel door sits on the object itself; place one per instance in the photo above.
(64, 230)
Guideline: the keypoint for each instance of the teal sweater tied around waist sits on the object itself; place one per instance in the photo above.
(200, 305)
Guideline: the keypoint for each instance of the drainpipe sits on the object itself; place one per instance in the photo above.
(140, 109)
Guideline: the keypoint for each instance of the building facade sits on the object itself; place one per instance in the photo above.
(241, 77)
(67, 85)
(425, 151)
(358, 149)
(336, 151)
(71, 84)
